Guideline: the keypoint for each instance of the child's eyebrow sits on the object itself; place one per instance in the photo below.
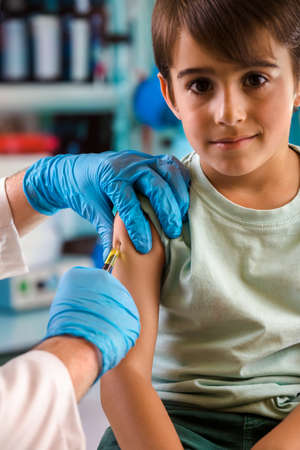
(211, 71)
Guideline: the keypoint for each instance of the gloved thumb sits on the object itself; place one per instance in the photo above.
(105, 232)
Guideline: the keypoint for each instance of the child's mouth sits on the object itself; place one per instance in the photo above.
(233, 142)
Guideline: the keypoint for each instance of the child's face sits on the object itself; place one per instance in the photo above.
(236, 118)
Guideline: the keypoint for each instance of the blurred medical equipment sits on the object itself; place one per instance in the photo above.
(150, 107)
(37, 288)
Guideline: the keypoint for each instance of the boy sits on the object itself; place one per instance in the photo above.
(227, 358)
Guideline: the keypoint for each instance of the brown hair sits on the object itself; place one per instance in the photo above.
(224, 26)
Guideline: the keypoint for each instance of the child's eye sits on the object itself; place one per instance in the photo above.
(200, 86)
(255, 80)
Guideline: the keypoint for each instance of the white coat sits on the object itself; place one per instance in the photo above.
(38, 409)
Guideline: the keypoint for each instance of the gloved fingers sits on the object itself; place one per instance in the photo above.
(93, 304)
(103, 219)
(124, 198)
(100, 315)
(163, 202)
(106, 236)
(95, 285)
(97, 210)
(105, 224)
(163, 179)
(178, 178)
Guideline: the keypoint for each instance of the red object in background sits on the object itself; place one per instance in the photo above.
(20, 143)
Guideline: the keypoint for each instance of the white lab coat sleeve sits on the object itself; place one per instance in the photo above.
(38, 409)
(11, 257)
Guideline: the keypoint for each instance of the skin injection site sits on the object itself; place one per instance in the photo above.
(149, 225)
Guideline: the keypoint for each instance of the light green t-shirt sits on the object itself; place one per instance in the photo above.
(229, 326)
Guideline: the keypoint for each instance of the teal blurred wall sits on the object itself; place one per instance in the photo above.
(295, 129)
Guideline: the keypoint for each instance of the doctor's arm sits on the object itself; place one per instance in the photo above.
(93, 323)
(25, 217)
(75, 353)
(135, 411)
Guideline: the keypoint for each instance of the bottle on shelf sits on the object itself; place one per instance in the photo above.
(46, 38)
(80, 37)
(15, 58)
(98, 62)
(116, 39)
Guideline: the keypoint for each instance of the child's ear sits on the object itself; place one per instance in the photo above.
(166, 94)
(297, 97)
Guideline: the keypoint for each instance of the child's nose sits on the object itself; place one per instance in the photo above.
(230, 108)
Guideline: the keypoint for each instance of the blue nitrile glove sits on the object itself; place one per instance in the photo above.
(91, 183)
(92, 304)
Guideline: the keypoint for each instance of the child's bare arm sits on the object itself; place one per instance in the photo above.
(285, 436)
(136, 413)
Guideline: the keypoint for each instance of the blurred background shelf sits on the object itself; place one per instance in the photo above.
(66, 62)
(62, 97)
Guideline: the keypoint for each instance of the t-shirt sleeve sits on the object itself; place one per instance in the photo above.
(11, 256)
(170, 248)
(38, 408)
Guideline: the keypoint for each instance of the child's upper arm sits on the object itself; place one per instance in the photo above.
(141, 275)
(125, 388)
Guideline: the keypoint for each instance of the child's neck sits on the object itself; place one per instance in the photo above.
(259, 191)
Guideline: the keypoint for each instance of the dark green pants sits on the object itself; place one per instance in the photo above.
(209, 430)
